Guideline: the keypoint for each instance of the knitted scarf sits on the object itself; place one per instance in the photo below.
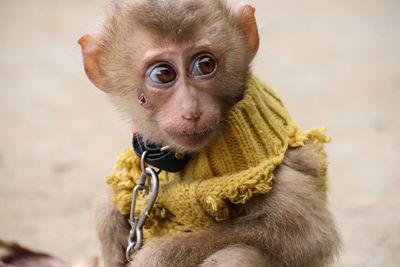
(236, 166)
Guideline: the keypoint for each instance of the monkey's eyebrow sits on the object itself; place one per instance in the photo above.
(162, 53)
(173, 48)
(203, 42)
(155, 53)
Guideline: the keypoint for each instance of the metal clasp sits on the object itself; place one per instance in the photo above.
(149, 182)
(136, 233)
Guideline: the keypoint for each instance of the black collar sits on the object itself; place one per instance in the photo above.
(164, 160)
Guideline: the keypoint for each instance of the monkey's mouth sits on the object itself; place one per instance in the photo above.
(191, 139)
(191, 134)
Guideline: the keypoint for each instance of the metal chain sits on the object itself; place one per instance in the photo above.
(149, 182)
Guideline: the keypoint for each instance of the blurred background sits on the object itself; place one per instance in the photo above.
(334, 63)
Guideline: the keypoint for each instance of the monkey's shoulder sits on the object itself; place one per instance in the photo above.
(309, 160)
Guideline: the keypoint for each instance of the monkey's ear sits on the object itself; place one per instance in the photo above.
(92, 53)
(244, 15)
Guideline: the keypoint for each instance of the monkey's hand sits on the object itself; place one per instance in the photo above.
(289, 226)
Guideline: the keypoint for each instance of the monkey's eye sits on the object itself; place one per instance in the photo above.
(204, 65)
(163, 74)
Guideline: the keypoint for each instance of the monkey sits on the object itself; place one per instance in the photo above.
(13, 254)
(180, 70)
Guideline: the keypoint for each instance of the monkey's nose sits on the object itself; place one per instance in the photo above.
(191, 116)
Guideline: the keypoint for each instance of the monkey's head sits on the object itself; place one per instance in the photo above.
(176, 67)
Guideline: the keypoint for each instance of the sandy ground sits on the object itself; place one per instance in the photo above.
(335, 63)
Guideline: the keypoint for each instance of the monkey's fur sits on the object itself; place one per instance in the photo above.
(288, 226)
(14, 255)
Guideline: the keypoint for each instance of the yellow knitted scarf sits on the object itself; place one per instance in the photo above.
(235, 167)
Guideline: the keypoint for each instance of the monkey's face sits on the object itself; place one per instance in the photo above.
(175, 67)
(179, 90)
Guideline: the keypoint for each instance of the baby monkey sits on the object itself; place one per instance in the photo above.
(253, 192)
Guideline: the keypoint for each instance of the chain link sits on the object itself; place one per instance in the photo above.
(149, 182)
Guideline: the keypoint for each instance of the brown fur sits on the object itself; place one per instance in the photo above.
(14, 255)
(236, 256)
(126, 30)
(289, 226)
(112, 230)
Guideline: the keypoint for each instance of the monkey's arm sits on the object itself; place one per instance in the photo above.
(113, 230)
(289, 226)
